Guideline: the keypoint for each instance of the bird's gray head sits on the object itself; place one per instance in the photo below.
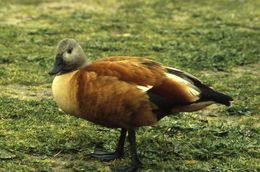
(69, 57)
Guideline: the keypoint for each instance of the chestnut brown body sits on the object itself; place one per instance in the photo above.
(106, 91)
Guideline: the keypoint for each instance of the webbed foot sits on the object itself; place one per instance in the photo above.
(106, 156)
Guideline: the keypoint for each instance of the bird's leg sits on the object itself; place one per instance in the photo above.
(135, 162)
(108, 156)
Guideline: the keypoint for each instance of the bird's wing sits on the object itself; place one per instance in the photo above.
(160, 83)
(135, 70)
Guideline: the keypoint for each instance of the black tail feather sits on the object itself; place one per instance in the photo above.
(208, 94)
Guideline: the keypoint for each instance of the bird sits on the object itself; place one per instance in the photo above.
(124, 92)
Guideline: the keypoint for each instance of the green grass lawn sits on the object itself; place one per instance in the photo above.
(217, 41)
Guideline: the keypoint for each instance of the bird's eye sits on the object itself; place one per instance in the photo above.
(69, 50)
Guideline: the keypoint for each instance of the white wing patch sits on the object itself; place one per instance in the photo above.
(184, 73)
(144, 88)
(178, 79)
(192, 89)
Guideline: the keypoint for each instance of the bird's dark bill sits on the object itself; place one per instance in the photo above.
(57, 67)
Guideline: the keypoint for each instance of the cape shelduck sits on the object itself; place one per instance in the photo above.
(124, 92)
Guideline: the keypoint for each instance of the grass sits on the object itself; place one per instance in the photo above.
(217, 41)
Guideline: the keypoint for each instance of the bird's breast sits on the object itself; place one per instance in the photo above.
(64, 89)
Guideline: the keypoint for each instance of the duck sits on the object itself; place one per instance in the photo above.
(124, 92)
